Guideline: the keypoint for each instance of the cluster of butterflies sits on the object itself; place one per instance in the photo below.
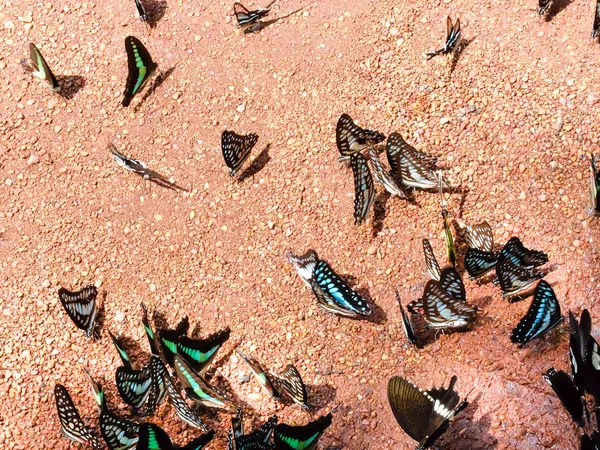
(144, 389)
(544, 8)
(584, 355)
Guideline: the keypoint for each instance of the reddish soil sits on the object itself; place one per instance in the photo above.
(512, 124)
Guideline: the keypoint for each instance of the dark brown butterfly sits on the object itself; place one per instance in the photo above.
(452, 37)
(413, 166)
(351, 139)
(364, 189)
(543, 6)
(236, 149)
(290, 382)
(248, 20)
(81, 308)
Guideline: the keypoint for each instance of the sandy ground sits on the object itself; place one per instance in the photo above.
(511, 123)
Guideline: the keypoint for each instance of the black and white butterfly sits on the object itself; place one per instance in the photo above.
(256, 440)
(364, 189)
(564, 387)
(452, 283)
(351, 139)
(81, 308)
(480, 237)
(333, 294)
(514, 279)
(543, 6)
(517, 253)
(305, 437)
(424, 416)
(543, 315)
(236, 149)
(71, 424)
(413, 166)
(153, 437)
(260, 374)
(248, 20)
(290, 382)
(37, 65)
(158, 389)
(478, 262)
(141, 10)
(584, 355)
(595, 182)
(383, 176)
(140, 68)
(452, 37)
(409, 330)
(433, 268)
(118, 433)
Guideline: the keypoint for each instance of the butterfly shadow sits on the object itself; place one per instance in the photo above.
(556, 7)
(257, 165)
(133, 349)
(70, 85)
(378, 315)
(456, 54)
(155, 11)
(264, 24)
(100, 316)
(158, 81)
(379, 212)
(320, 395)
(469, 434)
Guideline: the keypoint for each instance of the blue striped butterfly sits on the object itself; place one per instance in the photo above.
(452, 283)
(453, 32)
(256, 440)
(433, 268)
(248, 20)
(424, 416)
(290, 382)
(564, 387)
(81, 308)
(118, 433)
(517, 253)
(596, 27)
(236, 149)
(514, 279)
(595, 181)
(260, 374)
(409, 331)
(478, 262)
(198, 390)
(364, 189)
(543, 315)
(351, 139)
(140, 68)
(71, 424)
(38, 67)
(141, 10)
(306, 437)
(333, 294)
(153, 437)
(413, 166)
(383, 176)
(543, 6)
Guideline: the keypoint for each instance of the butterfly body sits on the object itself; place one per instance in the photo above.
(81, 308)
(72, 426)
(305, 437)
(37, 65)
(236, 149)
(140, 68)
(333, 294)
(453, 33)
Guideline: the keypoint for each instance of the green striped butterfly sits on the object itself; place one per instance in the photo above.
(288, 437)
(140, 66)
(153, 437)
(37, 65)
(260, 374)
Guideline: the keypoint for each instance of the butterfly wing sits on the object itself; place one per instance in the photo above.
(236, 149)
(595, 181)
(480, 237)
(443, 311)
(413, 170)
(450, 248)
(452, 36)
(406, 323)
(304, 265)
(243, 15)
(200, 352)
(383, 177)
(514, 279)
(433, 268)
(133, 385)
(182, 409)
(515, 251)
(140, 68)
(116, 340)
(305, 437)
(478, 262)
(396, 147)
(596, 27)
(260, 374)
(158, 389)
(543, 315)
(543, 6)
(351, 139)
(291, 383)
(81, 308)
(70, 421)
(452, 283)
(562, 384)
(364, 190)
(37, 65)
(153, 437)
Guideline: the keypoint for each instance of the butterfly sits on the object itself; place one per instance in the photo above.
(198, 390)
(517, 253)
(236, 149)
(564, 387)
(288, 437)
(590, 442)
(199, 353)
(70, 421)
(478, 262)
(433, 268)
(260, 374)
(333, 294)
(413, 166)
(513, 278)
(140, 68)
(141, 10)
(118, 433)
(256, 440)
(452, 37)
(595, 182)
(153, 437)
(542, 316)
(596, 28)
(406, 323)
(158, 389)
(37, 65)
(480, 237)
(248, 20)
(450, 248)
(441, 309)
(290, 382)
(149, 332)
(182, 409)
(351, 139)
(364, 189)
(168, 339)
(383, 177)
(81, 308)
(452, 283)
(543, 6)
(424, 416)
(584, 355)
